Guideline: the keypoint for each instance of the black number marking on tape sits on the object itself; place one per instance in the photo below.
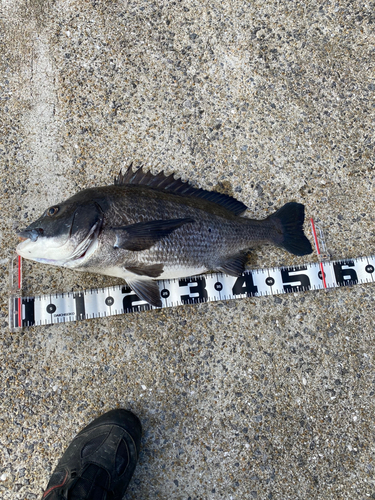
(80, 305)
(197, 290)
(344, 274)
(56, 308)
(301, 278)
(128, 303)
(245, 285)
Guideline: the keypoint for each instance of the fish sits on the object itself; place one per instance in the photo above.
(147, 227)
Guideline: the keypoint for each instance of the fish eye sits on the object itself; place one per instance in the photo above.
(52, 211)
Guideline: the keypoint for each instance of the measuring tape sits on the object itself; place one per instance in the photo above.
(102, 302)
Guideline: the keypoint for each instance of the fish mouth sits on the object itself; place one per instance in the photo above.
(30, 234)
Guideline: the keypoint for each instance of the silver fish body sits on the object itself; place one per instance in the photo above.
(147, 227)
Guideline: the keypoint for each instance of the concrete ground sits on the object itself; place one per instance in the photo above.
(271, 101)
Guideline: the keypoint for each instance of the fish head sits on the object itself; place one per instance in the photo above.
(64, 235)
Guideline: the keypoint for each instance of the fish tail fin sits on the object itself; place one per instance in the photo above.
(288, 221)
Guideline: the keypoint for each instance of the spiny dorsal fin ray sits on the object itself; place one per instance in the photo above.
(177, 186)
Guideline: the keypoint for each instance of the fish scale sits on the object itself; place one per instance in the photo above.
(149, 226)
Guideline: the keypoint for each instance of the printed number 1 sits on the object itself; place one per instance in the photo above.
(80, 305)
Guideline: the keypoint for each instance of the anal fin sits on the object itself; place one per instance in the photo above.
(147, 290)
(234, 266)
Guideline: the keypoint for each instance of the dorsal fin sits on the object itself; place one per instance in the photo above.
(177, 186)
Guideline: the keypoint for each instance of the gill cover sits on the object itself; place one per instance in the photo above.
(88, 218)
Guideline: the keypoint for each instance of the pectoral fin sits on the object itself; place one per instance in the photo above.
(234, 266)
(147, 290)
(144, 235)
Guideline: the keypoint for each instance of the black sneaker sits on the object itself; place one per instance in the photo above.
(100, 461)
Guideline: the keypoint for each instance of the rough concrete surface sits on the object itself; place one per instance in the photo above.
(271, 101)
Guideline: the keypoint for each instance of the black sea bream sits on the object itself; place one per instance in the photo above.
(148, 227)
